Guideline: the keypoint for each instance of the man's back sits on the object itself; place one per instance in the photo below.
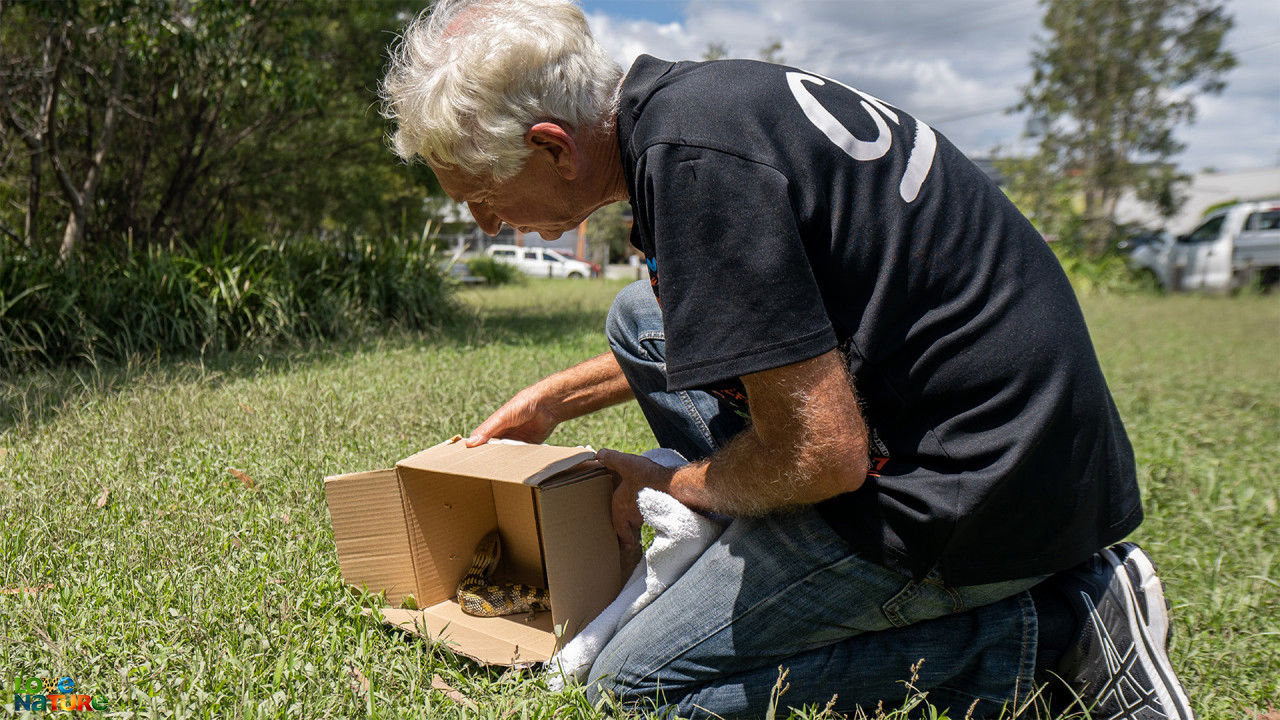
(789, 214)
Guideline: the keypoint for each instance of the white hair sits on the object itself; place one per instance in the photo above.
(470, 77)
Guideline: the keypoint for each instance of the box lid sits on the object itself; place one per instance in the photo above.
(498, 460)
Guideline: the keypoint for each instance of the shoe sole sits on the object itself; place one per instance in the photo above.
(1150, 589)
(1151, 653)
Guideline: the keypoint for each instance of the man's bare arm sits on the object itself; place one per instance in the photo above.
(807, 442)
(536, 410)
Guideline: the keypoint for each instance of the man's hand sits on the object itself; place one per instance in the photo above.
(633, 473)
(536, 410)
(524, 417)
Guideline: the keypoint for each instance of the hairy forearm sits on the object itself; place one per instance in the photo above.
(800, 451)
(584, 388)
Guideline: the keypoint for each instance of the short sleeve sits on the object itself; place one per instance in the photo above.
(737, 290)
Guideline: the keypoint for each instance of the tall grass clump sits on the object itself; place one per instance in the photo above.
(494, 272)
(213, 295)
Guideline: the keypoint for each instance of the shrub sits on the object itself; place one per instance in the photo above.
(1101, 275)
(213, 295)
(493, 271)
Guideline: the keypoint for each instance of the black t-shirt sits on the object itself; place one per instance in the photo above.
(785, 214)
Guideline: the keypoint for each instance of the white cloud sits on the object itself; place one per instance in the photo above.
(957, 64)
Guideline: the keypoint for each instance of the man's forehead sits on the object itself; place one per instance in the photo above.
(455, 183)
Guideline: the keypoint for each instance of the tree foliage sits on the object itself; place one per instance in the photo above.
(609, 230)
(1112, 80)
(170, 119)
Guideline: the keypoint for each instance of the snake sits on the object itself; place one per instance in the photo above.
(478, 596)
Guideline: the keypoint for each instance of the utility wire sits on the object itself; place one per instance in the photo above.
(946, 29)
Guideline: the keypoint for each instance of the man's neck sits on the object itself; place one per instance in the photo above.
(606, 181)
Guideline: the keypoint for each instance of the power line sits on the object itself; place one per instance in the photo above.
(947, 29)
(1256, 47)
(968, 114)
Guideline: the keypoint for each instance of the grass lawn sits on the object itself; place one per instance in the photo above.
(161, 580)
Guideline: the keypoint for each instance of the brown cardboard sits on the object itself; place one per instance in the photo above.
(370, 534)
(414, 529)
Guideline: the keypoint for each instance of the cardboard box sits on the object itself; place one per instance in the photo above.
(413, 531)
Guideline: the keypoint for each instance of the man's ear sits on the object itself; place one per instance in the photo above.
(558, 144)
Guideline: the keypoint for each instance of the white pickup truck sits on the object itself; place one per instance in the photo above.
(541, 262)
(1235, 247)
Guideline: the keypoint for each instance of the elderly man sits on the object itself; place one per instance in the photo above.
(873, 361)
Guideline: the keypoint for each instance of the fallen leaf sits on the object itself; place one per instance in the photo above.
(21, 590)
(102, 499)
(242, 476)
(438, 683)
(360, 684)
(247, 408)
(1271, 714)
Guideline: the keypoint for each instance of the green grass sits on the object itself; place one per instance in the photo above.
(189, 594)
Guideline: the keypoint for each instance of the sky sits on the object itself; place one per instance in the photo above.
(956, 64)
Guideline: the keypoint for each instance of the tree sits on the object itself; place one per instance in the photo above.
(715, 51)
(610, 229)
(772, 52)
(1111, 81)
(174, 120)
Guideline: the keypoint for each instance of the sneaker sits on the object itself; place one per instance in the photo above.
(1118, 667)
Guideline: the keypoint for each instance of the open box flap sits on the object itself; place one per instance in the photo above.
(500, 461)
(369, 532)
(491, 641)
(580, 549)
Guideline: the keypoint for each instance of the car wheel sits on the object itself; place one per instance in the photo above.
(576, 274)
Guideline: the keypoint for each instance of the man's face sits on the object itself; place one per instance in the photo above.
(536, 199)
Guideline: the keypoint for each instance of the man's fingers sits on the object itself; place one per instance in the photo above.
(618, 462)
(626, 537)
(493, 425)
(481, 434)
(627, 526)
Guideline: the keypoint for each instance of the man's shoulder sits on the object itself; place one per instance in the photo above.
(696, 103)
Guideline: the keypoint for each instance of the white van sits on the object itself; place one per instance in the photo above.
(540, 262)
(1235, 247)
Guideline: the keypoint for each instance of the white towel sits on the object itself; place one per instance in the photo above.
(680, 536)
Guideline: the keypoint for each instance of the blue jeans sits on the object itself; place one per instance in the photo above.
(786, 591)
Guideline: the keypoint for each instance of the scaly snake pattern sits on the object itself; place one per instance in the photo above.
(477, 596)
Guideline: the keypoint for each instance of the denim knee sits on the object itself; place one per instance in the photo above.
(632, 310)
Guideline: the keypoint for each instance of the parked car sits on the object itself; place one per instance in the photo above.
(1130, 243)
(1235, 247)
(595, 267)
(540, 262)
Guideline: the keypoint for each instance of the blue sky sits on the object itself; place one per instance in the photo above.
(955, 63)
(658, 11)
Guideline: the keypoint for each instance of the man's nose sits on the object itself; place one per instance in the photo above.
(488, 222)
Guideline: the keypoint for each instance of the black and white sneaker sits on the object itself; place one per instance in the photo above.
(1118, 667)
